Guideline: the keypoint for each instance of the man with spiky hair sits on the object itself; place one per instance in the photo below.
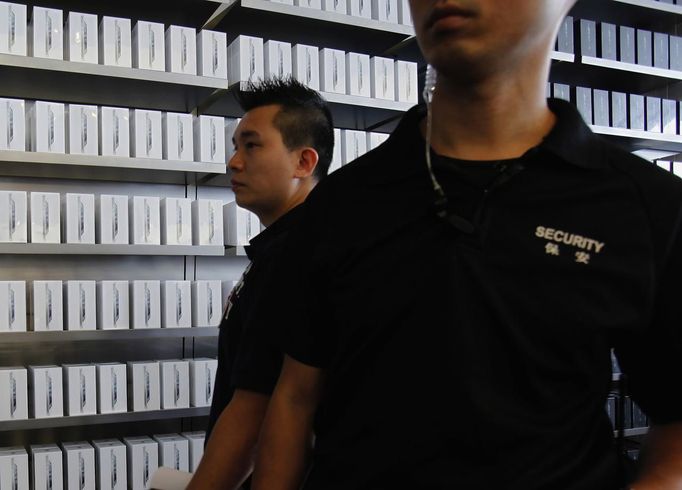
(283, 147)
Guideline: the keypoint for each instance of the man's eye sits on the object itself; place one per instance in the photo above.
(250, 145)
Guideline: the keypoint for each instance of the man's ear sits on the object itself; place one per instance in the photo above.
(307, 162)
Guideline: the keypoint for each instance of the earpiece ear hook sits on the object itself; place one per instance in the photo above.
(427, 94)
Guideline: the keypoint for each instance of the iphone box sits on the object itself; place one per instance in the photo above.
(114, 132)
(207, 217)
(146, 131)
(405, 15)
(382, 77)
(46, 392)
(628, 45)
(653, 114)
(562, 91)
(146, 304)
(305, 62)
(385, 10)
(601, 107)
(202, 380)
(230, 128)
(209, 134)
(181, 50)
(47, 467)
(13, 217)
(336, 6)
(358, 77)
(45, 217)
(149, 52)
(637, 112)
(46, 34)
(110, 458)
(333, 71)
(353, 145)
(277, 59)
(176, 297)
(113, 305)
(337, 158)
(12, 306)
(178, 136)
(406, 81)
(645, 52)
(13, 393)
(174, 384)
(81, 311)
(619, 110)
(145, 220)
(173, 451)
(176, 221)
(245, 59)
(669, 114)
(14, 469)
(112, 227)
(48, 310)
(79, 465)
(609, 41)
(82, 130)
(144, 381)
(46, 127)
(676, 53)
(12, 125)
(79, 218)
(116, 44)
(311, 4)
(13, 29)
(359, 8)
(113, 388)
(583, 98)
(212, 54)
(375, 139)
(661, 50)
(196, 448)
(240, 225)
(207, 303)
(81, 389)
(143, 461)
(588, 37)
(81, 35)
(566, 36)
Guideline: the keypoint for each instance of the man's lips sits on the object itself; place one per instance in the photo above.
(447, 16)
(236, 184)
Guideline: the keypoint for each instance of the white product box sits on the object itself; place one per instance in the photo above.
(173, 451)
(80, 382)
(79, 465)
(79, 218)
(277, 59)
(385, 10)
(405, 15)
(12, 306)
(588, 37)
(311, 4)
(209, 134)
(149, 47)
(382, 73)
(230, 128)
(207, 217)
(212, 54)
(143, 461)
(406, 87)
(358, 78)
(13, 29)
(113, 311)
(176, 221)
(13, 217)
(636, 112)
(353, 145)
(619, 110)
(306, 65)
(645, 48)
(110, 458)
(112, 226)
(146, 139)
(144, 379)
(333, 71)
(202, 380)
(676, 53)
(12, 125)
(337, 6)
(181, 50)
(46, 127)
(174, 384)
(46, 34)
(359, 8)
(661, 50)
(375, 139)
(115, 42)
(113, 388)
(81, 311)
(196, 448)
(81, 38)
(337, 157)
(114, 132)
(245, 59)
(47, 467)
(566, 36)
(45, 217)
(46, 392)
(583, 101)
(653, 114)
(562, 91)
(240, 225)
(207, 304)
(601, 107)
(176, 297)
(627, 44)
(145, 220)
(82, 130)
(14, 469)
(145, 297)
(48, 310)
(669, 114)
(609, 41)
(13, 393)
(178, 136)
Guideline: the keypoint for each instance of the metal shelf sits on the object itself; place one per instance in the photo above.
(100, 419)
(561, 56)
(104, 335)
(99, 249)
(668, 75)
(642, 139)
(643, 14)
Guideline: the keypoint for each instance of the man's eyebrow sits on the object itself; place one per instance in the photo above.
(246, 134)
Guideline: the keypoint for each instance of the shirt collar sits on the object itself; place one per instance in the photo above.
(260, 242)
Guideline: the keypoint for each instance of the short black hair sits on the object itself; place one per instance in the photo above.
(304, 119)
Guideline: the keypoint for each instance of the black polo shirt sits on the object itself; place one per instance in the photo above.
(248, 357)
(480, 359)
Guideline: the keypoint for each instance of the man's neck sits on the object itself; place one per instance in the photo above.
(300, 195)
